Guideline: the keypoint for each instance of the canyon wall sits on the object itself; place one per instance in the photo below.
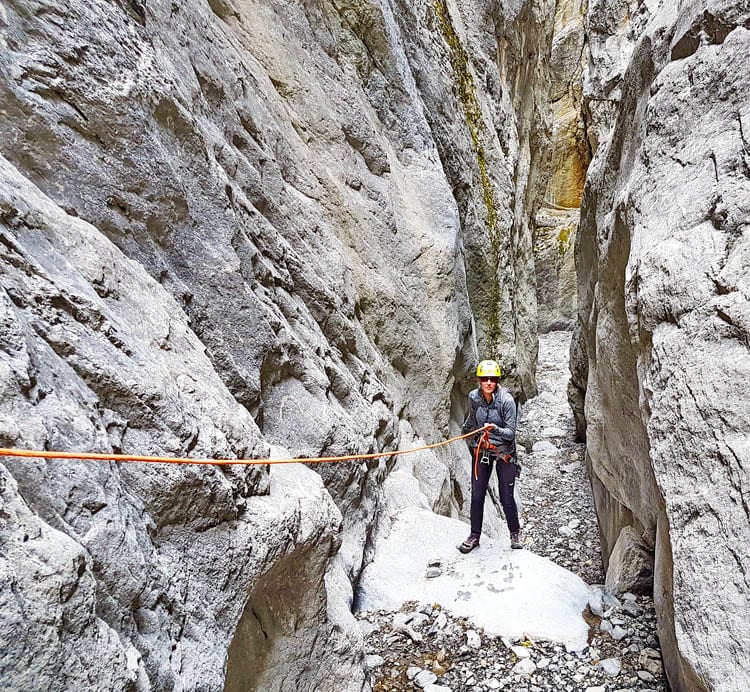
(660, 360)
(229, 227)
(557, 218)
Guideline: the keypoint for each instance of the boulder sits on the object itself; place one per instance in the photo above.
(631, 565)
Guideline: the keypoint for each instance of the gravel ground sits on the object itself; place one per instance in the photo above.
(424, 647)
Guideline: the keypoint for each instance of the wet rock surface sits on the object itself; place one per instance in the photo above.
(424, 647)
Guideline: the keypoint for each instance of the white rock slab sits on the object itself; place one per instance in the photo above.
(507, 592)
(545, 448)
(553, 432)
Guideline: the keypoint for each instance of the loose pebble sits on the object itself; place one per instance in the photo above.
(374, 661)
(521, 651)
(424, 678)
(524, 667)
(544, 448)
(595, 603)
(618, 633)
(611, 667)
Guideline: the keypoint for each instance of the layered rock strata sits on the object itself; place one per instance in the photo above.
(661, 362)
(227, 224)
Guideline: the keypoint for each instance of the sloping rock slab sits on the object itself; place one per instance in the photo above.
(507, 592)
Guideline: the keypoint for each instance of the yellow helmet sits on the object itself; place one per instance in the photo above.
(488, 368)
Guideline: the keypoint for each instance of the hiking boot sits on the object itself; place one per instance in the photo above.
(470, 543)
(515, 540)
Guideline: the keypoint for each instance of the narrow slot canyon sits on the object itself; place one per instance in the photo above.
(236, 234)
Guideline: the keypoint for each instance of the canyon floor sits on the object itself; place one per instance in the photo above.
(424, 646)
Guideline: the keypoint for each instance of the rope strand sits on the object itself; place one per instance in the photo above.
(93, 456)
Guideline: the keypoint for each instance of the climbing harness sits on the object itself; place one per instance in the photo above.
(92, 456)
(485, 448)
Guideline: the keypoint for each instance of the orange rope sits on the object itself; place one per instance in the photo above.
(38, 454)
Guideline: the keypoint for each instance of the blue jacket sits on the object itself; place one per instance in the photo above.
(501, 411)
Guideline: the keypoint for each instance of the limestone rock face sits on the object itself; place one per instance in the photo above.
(570, 152)
(556, 285)
(227, 225)
(612, 28)
(662, 349)
(557, 219)
(125, 574)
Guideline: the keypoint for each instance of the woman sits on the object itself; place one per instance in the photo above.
(493, 405)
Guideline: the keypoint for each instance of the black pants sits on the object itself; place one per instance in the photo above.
(506, 476)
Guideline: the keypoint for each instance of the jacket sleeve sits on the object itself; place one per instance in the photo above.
(508, 410)
(470, 423)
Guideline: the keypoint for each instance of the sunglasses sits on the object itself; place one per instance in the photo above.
(488, 379)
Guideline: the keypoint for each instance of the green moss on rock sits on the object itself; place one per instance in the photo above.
(564, 235)
(467, 95)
